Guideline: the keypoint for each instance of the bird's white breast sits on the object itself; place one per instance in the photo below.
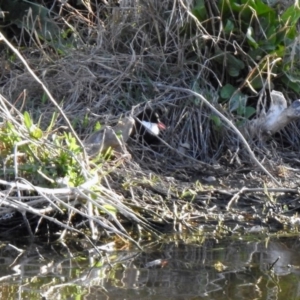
(152, 127)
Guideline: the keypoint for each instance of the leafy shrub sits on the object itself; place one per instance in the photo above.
(252, 45)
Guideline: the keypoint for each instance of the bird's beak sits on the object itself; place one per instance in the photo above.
(161, 126)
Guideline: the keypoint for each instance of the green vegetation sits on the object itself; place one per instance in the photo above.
(26, 145)
(37, 20)
(253, 47)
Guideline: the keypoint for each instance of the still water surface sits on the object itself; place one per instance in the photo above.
(248, 267)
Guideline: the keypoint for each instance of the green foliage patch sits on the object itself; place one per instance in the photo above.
(38, 21)
(28, 149)
(253, 45)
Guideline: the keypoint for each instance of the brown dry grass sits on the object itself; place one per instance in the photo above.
(139, 56)
(128, 57)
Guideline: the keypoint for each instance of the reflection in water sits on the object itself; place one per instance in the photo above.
(225, 269)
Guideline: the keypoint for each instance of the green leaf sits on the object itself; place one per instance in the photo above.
(293, 78)
(85, 121)
(27, 120)
(199, 10)
(291, 15)
(237, 103)
(272, 33)
(280, 51)
(52, 122)
(256, 54)
(97, 126)
(229, 26)
(250, 39)
(267, 46)
(233, 71)
(227, 91)
(235, 65)
(235, 61)
(44, 98)
(257, 82)
(111, 209)
(227, 6)
(36, 132)
(291, 82)
(10, 126)
(249, 111)
(260, 7)
(291, 34)
(216, 120)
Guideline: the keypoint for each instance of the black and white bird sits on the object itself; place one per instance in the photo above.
(148, 127)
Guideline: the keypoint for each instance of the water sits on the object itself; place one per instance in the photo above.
(247, 267)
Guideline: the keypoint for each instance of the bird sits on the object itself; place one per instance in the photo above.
(148, 127)
(109, 137)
